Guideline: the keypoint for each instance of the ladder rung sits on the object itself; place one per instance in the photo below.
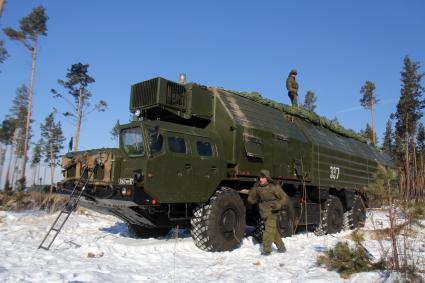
(69, 207)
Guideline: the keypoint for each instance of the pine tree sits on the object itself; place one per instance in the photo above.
(8, 137)
(3, 52)
(115, 132)
(368, 134)
(407, 116)
(19, 112)
(368, 101)
(388, 136)
(31, 28)
(77, 83)
(37, 154)
(52, 133)
(310, 101)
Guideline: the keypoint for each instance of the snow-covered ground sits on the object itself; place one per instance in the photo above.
(96, 248)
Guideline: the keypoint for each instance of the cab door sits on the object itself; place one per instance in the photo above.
(208, 167)
(179, 166)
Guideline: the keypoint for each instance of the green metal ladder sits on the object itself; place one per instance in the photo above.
(68, 208)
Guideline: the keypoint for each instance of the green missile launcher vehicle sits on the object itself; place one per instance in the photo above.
(194, 152)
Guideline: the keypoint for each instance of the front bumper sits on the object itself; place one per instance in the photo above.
(135, 208)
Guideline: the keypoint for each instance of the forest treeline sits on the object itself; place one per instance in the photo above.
(16, 128)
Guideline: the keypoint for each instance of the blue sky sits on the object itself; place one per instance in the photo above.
(242, 45)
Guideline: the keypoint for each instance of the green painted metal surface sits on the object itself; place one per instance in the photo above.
(245, 136)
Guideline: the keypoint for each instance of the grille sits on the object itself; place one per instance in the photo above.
(70, 172)
(176, 95)
(144, 94)
(86, 173)
(100, 173)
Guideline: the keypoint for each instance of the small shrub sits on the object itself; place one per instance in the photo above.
(416, 212)
(346, 260)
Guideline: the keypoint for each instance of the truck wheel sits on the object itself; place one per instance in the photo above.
(332, 215)
(137, 231)
(285, 224)
(356, 216)
(219, 225)
(259, 229)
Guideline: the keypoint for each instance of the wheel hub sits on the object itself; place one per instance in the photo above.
(229, 220)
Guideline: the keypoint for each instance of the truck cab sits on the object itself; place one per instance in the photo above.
(164, 159)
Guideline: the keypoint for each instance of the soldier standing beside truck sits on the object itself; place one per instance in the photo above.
(292, 87)
(270, 199)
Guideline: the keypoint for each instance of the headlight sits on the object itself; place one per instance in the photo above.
(138, 113)
(126, 192)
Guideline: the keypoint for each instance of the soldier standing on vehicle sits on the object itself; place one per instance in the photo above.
(270, 199)
(292, 87)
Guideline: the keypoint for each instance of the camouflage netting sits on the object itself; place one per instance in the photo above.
(302, 113)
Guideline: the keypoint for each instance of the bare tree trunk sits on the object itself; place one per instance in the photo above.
(7, 182)
(414, 171)
(373, 123)
(52, 177)
(422, 176)
(33, 175)
(15, 172)
(52, 169)
(79, 115)
(29, 110)
(1, 159)
(392, 228)
(38, 172)
(45, 174)
(1, 6)
(406, 161)
(18, 152)
(401, 182)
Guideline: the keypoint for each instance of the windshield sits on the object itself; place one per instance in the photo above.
(132, 141)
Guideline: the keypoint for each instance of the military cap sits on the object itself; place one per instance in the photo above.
(293, 71)
(264, 173)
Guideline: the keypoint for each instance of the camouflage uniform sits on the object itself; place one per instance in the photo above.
(292, 87)
(270, 199)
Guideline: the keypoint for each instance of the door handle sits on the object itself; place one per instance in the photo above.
(214, 169)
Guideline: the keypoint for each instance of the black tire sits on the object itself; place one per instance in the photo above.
(259, 229)
(219, 225)
(332, 217)
(356, 216)
(137, 231)
(285, 224)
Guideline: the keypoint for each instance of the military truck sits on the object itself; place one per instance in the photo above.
(194, 152)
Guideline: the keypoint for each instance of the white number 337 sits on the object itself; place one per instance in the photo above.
(334, 173)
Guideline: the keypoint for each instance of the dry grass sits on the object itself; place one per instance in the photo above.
(16, 201)
(384, 233)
